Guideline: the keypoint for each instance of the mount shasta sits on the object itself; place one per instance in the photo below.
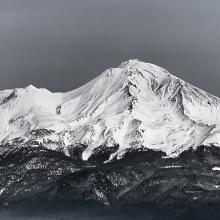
(135, 133)
(132, 106)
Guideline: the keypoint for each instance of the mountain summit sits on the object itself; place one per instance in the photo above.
(136, 134)
(134, 106)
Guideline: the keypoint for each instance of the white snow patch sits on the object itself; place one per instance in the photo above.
(2, 190)
(171, 166)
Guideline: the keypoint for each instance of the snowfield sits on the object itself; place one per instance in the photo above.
(136, 105)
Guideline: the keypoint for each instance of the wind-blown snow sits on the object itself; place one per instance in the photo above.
(135, 105)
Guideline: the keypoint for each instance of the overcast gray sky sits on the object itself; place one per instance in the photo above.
(62, 44)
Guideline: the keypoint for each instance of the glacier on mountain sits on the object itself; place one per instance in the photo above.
(136, 105)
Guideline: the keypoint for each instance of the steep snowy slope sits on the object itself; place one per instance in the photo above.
(137, 105)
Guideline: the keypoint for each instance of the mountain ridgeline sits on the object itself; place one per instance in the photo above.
(134, 134)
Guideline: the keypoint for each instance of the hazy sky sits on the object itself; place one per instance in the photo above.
(62, 44)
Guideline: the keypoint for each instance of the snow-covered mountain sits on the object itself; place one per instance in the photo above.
(135, 135)
(136, 105)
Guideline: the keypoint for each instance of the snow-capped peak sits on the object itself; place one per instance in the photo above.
(137, 105)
